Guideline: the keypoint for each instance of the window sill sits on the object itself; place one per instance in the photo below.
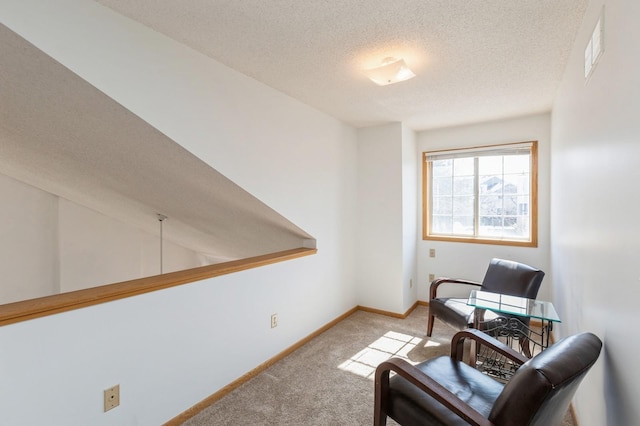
(496, 241)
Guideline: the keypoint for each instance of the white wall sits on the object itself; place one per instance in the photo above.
(595, 209)
(410, 215)
(380, 267)
(51, 245)
(95, 250)
(387, 220)
(28, 242)
(172, 348)
(410, 188)
(470, 261)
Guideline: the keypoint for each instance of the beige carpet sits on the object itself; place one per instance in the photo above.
(329, 381)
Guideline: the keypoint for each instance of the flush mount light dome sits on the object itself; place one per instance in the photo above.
(391, 71)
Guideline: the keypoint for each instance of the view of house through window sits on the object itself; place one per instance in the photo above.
(484, 194)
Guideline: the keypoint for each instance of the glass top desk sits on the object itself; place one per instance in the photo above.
(517, 306)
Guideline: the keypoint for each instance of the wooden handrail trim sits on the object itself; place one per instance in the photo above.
(49, 305)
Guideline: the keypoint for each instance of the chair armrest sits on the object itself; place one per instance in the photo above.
(433, 288)
(481, 338)
(427, 385)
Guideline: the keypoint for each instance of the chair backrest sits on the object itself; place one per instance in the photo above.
(512, 278)
(540, 391)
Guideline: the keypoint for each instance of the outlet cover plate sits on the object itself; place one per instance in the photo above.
(111, 398)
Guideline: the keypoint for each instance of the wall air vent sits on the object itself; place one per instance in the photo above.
(595, 47)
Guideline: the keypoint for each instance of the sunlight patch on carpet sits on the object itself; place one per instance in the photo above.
(391, 344)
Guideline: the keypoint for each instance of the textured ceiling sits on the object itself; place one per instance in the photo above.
(475, 60)
(60, 134)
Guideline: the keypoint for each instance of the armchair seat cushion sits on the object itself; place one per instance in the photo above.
(410, 406)
(452, 311)
(458, 314)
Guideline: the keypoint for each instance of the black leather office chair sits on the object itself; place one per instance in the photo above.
(447, 391)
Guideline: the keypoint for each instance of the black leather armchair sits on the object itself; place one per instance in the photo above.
(447, 391)
(502, 276)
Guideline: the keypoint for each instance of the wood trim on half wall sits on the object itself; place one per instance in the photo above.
(49, 305)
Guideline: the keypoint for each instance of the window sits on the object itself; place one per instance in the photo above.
(482, 195)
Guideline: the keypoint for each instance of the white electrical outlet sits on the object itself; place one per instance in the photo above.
(432, 277)
(274, 320)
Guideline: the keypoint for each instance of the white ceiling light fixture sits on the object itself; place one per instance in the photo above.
(391, 71)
